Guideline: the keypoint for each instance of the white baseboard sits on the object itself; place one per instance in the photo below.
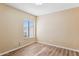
(16, 48)
(38, 42)
(59, 46)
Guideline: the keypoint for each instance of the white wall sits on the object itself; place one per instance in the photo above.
(59, 28)
(11, 28)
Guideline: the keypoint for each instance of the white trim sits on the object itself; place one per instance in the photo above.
(16, 48)
(59, 46)
(38, 42)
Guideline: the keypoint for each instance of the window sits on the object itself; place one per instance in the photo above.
(29, 28)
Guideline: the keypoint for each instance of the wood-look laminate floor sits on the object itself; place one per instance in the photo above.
(38, 49)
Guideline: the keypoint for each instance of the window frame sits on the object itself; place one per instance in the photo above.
(28, 29)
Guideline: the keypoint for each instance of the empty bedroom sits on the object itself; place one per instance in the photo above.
(44, 29)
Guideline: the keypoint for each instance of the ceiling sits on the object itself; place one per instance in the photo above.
(43, 9)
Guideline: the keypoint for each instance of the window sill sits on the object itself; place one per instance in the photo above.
(28, 38)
